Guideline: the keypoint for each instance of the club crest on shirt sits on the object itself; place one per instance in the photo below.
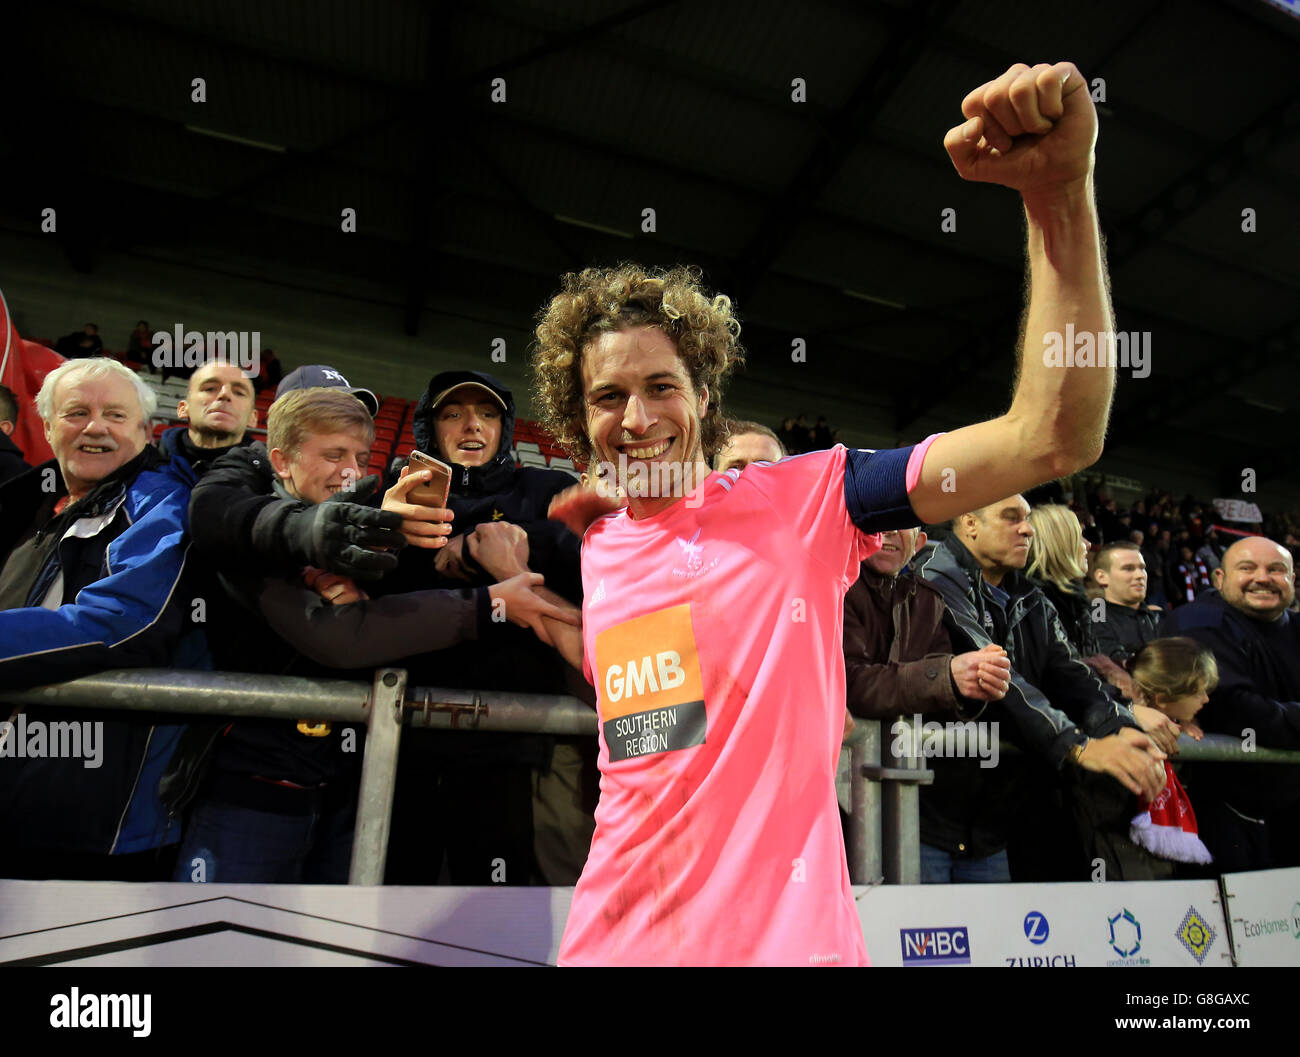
(692, 562)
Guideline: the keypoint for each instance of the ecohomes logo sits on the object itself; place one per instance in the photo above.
(193, 348)
(1272, 926)
(1037, 930)
(936, 946)
(1125, 938)
(34, 739)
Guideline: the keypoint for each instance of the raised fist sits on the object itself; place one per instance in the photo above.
(1032, 129)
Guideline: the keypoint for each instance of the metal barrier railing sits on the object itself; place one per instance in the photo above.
(883, 837)
(383, 707)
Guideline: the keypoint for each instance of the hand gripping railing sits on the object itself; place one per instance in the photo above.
(383, 706)
(883, 839)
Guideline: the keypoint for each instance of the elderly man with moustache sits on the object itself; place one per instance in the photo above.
(94, 547)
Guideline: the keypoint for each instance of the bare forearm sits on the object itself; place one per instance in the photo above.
(1064, 408)
(1057, 419)
(567, 638)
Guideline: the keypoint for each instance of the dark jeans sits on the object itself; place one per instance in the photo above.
(231, 844)
(942, 867)
(479, 817)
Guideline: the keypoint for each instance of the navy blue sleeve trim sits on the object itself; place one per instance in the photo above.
(875, 489)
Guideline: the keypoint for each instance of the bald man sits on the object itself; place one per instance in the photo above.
(749, 442)
(1247, 811)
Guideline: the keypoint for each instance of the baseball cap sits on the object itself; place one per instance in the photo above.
(496, 397)
(318, 375)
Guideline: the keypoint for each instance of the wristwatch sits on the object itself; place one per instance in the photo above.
(1076, 751)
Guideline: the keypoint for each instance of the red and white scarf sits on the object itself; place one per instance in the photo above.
(1166, 826)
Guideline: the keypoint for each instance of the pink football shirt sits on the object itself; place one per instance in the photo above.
(713, 635)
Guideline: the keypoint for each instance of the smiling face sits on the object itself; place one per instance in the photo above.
(324, 464)
(467, 426)
(641, 405)
(1126, 579)
(1257, 578)
(218, 405)
(96, 425)
(896, 550)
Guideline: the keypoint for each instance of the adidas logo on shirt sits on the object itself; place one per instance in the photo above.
(599, 594)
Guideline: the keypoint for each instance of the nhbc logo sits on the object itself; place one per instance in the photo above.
(936, 946)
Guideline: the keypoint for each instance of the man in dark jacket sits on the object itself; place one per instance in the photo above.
(278, 803)
(1247, 811)
(218, 410)
(12, 462)
(897, 654)
(1056, 709)
(1127, 623)
(239, 523)
(94, 546)
(466, 419)
(471, 795)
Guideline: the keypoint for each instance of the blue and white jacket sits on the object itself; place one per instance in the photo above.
(111, 594)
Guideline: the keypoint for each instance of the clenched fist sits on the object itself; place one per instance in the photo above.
(1032, 129)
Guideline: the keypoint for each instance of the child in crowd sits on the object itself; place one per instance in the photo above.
(1175, 676)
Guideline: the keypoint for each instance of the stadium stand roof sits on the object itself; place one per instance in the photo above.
(822, 219)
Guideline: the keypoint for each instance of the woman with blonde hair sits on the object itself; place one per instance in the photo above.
(1058, 564)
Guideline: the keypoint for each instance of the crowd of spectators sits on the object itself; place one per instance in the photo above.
(1053, 618)
(798, 437)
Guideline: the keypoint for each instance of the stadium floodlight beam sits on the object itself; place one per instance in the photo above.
(874, 300)
(230, 137)
(593, 227)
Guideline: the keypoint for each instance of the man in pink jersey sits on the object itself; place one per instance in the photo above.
(713, 604)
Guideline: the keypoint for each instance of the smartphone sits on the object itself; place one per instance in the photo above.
(436, 491)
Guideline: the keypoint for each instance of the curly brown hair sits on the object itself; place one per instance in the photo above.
(599, 300)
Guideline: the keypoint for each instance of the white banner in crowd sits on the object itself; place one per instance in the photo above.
(105, 924)
(1238, 510)
(1264, 911)
(1136, 924)
(1177, 923)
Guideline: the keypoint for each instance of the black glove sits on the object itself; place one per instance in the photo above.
(335, 535)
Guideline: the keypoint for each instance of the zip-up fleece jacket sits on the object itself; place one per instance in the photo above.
(122, 554)
(502, 491)
(1054, 701)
